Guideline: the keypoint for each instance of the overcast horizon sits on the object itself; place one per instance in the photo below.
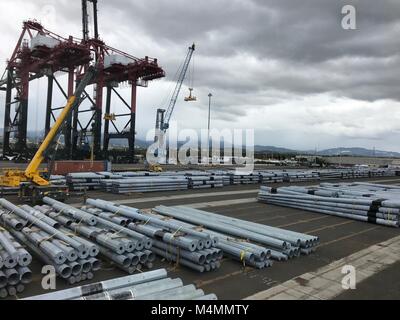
(287, 69)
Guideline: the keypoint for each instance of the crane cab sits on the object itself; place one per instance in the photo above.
(190, 97)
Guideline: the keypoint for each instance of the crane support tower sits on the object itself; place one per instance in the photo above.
(40, 53)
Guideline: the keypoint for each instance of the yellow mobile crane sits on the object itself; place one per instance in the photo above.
(32, 185)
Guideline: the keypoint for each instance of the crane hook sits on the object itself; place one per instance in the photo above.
(190, 97)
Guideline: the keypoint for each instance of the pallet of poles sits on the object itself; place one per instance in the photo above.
(202, 255)
(151, 285)
(267, 177)
(15, 273)
(373, 204)
(204, 182)
(73, 258)
(172, 241)
(221, 174)
(106, 185)
(6, 191)
(300, 176)
(110, 175)
(58, 179)
(127, 249)
(149, 184)
(243, 178)
(172, 174)
(281, 243)
(134, 174)
(329, 174)
(236, 248)
(84, 180)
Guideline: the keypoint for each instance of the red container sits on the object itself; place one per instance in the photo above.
(64, 167)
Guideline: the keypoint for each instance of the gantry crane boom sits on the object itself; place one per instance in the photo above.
(164, 116)
(13, 178)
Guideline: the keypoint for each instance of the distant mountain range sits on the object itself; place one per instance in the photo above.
(355, 151)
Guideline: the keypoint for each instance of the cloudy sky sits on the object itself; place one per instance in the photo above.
(286, 68)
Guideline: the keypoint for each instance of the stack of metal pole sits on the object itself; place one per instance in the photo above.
(134, 174)
(329, 174)
(14, 265)
(270, 176)
(58, 179)
(151, 285)
(236, 248)
(173, 241)
(84, 180)
(282, 244)
(300, 176)
(4, 191)
(202, 255)
(127, 249)
(363, 202)
(204, 182)
(110, 177)
(126, 182)
(74, 258)
(236, 178)
(149, 184)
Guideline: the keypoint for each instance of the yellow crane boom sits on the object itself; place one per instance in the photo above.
(13, 178)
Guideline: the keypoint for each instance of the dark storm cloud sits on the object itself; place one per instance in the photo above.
(304, 38)
(250, 46)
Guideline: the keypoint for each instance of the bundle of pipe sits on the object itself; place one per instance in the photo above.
(359, 201)
(300, 176)
(144, 181)
(329, 174)
(203, 182)
(110, 175)
(364, 173)
(236, 178)
(14, 265)
(238, 249)
(185, 249)
(58, 179)
(127, 249)
(149, 184)
(296, 175)
(73, 257)
(5, 191)
(221, 174)
(151, 285)
(84, 180)
(196, 173)
(270, 176)
(173, 241)
(172, 173)
(281, 244)
(133, 174)
(107, 184)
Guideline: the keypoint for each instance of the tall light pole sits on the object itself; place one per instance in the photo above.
(209, 111)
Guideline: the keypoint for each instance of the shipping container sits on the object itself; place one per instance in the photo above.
(70, 166)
